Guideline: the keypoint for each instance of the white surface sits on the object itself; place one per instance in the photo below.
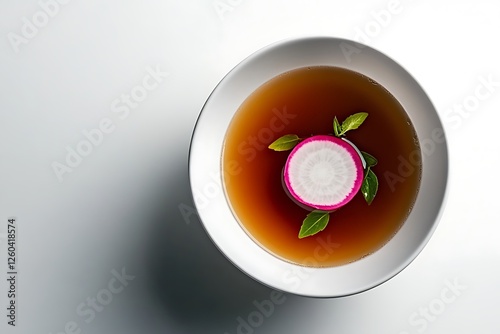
(120, 206)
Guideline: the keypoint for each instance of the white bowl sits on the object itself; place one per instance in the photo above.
(226, 232)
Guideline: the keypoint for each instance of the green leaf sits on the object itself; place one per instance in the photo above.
(370, 159)
(353, 122)
(369, 186)
(337, 129)
(285, 143)
(315, 222)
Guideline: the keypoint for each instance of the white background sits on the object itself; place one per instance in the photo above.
(118, 209)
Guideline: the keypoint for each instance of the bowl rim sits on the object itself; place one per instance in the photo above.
(214, 209)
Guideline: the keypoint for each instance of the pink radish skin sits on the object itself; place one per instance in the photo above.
(339, 171)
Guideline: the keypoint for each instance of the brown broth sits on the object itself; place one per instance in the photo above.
(304, 102)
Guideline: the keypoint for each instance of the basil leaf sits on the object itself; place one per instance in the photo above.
(353, 122)
(315, 222)
(285, 143)
(370, 159)
(369, 186)
(337, 129)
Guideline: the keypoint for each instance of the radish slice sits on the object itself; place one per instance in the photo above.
(323, 172)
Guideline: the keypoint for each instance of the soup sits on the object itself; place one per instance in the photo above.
(305, 101)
